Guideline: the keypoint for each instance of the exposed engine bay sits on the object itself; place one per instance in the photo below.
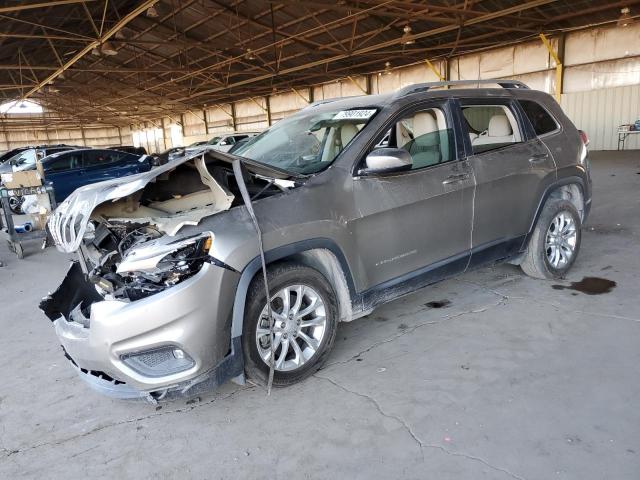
(129, 247)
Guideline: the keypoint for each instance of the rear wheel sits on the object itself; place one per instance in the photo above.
(304, 307)
(555, 241)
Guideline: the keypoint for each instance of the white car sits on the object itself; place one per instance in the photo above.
(225, 142)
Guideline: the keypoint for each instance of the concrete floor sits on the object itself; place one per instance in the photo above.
(513, 379)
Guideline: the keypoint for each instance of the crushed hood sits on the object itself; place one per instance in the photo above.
(69, 222)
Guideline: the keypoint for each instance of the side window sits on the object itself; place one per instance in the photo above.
(67, 161)
(425, 135)
(541, 120)
(95, 158)
(491, 127)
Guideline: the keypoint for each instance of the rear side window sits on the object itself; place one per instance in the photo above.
(541, 120)
(491, 127)
(96, 158)
(68, 161)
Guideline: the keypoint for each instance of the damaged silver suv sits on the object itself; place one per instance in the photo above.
(349, 203)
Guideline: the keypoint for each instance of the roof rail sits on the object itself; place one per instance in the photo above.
(424, 87)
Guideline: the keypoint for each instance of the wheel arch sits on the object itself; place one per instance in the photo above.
(569, 188)
(322, 254)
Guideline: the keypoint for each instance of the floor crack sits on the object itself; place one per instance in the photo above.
(405, 425)
(10, 452)
(412, 329)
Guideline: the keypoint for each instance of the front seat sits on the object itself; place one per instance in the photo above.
(499, 131)
(425, 146)
(347, 132)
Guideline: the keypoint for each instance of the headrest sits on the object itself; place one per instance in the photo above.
(423, 123)
(347, 132)
(499, 126)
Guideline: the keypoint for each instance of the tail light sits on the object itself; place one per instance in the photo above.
(584, 137)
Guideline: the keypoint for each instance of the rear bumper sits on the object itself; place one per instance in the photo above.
(194, 316)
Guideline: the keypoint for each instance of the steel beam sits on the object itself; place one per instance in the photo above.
(95, 44)
(31, 6)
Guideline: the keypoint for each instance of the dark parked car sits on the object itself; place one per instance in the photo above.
(177, 296)
(76, 168)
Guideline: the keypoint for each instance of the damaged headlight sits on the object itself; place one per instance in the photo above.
(154, 266)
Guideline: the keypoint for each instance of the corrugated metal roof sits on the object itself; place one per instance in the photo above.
(197, 52)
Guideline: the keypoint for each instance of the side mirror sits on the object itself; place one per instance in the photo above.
(387, 160)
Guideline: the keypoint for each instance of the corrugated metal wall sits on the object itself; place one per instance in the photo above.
(90, 137)
(600, 112)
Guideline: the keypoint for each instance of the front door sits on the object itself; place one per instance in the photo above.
(414, 227)
(63, 171)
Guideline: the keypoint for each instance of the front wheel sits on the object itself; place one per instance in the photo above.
(304, 307)
(555, 242)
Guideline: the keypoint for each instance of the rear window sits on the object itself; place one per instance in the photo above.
(541, 120)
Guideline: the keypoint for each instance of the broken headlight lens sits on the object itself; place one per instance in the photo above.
(153, 267)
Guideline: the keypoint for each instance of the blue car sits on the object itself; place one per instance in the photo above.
(76, 168)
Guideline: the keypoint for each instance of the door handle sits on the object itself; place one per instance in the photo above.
(455, 178)
(538, 157)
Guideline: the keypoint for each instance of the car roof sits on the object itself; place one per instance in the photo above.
(83, 149)
(411, 93)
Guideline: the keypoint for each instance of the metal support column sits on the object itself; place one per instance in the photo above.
(234, 123)
(558, 57)
(267, 102)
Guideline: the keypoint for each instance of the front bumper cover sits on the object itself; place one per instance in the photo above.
(194, 315)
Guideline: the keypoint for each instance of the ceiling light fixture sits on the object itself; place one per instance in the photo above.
(108, 49)
(625, 18)
(387, 68)
(152, 12)
(407, 39)
(249, 55)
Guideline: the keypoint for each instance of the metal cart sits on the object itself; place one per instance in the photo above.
(15, 238)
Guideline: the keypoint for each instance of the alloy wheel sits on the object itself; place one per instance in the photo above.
(560, 240)
(300, 324)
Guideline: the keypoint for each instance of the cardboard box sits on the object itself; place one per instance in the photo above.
(28, 178)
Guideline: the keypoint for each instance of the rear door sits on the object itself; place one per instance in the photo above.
(101, 165)
(509, 163)
(415, 226)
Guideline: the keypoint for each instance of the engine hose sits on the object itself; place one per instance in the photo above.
(237, 172)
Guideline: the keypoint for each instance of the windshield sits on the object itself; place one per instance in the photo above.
(307, 142)
(214, 140)
(28, 157)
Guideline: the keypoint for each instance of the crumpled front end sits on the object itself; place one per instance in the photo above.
(154, 198)
(169, 341)
(148, 308)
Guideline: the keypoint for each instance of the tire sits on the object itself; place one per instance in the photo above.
(539, 260)
(299, 363)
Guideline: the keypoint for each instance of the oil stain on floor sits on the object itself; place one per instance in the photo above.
(589, 286)
(438, 304)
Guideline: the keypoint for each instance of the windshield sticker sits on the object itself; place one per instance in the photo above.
(354, 114)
